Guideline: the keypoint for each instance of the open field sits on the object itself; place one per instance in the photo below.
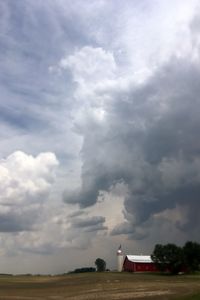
(100, 286)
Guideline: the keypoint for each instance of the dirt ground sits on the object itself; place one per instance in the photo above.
(90, 286)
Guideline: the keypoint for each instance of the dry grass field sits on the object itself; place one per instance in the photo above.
(100, 286)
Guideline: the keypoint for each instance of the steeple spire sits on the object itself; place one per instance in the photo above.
(120, 259)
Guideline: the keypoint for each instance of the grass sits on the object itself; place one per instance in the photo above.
(190, 297)
(109, 285)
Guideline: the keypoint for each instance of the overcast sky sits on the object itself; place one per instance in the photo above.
(99, 130)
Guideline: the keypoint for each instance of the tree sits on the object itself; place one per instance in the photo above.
(168, 258)
(100, 264)
(191, 252)
(159, 258)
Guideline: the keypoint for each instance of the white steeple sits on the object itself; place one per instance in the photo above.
(120, 259)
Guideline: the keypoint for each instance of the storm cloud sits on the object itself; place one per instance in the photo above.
(147, 138)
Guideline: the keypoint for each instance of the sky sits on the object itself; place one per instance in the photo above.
(99, 130)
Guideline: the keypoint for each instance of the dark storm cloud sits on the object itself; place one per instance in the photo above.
(10, 224)
(170, 147)
(150, 141)
(18, 221)
(76, 214)
(95, 228)
(124, 228)
(88, 195)
(89, 224)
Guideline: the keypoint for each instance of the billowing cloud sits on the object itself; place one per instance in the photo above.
(25, 183)
(148, 139)
(90, 63)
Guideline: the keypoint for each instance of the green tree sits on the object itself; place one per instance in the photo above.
(191, 251)
(100, 264)
(168, 258)
(159, 258)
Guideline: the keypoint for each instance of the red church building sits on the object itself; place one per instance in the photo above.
(139, 263)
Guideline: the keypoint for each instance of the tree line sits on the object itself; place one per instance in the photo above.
(100, 267)
(175, 259)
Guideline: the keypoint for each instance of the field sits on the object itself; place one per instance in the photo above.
(100, 286)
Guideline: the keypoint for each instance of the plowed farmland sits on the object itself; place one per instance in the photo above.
(100, 286)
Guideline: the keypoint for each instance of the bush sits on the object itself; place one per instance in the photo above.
(83, 270)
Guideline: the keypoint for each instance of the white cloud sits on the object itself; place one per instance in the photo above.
(93, 70)
(24, 177)
(90, 64)
(25, 183)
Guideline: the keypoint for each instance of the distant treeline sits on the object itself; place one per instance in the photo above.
(174, 259)
(83, 270)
